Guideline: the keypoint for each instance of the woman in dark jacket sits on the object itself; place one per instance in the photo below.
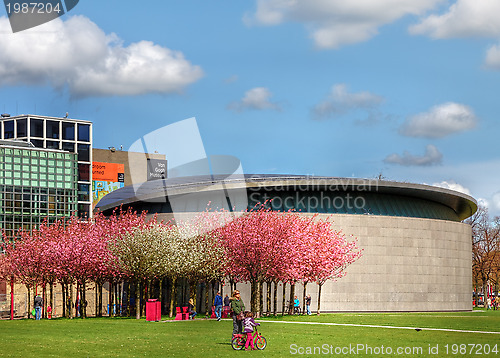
(191, 310)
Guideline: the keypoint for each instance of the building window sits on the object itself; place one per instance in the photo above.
(52, 128)
(83, 192)
(83, 210)
(83, 172)
(8, 129)
(68, 146)
(68, 131)
(84, 132)
(83, 152)
(52, 144)
(37, 143)
(22, 130)
(36, 128)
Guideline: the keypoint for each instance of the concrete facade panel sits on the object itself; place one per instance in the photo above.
(408, 264)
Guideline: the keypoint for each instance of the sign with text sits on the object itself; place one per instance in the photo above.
(111, 172)
(157, 169)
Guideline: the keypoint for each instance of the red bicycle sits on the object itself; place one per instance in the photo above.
(239, 340)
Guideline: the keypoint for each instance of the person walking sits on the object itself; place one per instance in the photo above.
(308, 304)
(38, 307)
(227, 309)
(218, 306)
(238, 309)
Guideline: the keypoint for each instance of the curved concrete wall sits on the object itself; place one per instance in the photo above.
(408, 264)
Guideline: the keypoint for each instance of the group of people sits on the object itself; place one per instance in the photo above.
(243, 321)
(492, 303)
(296, 305)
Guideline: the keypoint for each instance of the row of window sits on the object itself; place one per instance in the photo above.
(34, 190)
(25, 153)
(44, 183)
(34, 201)
(67, 174)
(83, 150)
(10, 163)
(51, 129)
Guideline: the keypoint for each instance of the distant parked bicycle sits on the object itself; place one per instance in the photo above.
(239, 341)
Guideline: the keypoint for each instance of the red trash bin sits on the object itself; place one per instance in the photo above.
(153, 310)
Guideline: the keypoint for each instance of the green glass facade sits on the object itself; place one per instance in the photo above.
(36, 185)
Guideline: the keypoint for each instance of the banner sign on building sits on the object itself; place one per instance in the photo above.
(157, 169)
(106, 177)
(108, 171)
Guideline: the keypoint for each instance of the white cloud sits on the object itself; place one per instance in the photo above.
(483, 202)
(465, 18)
(493, 57)
(231, 79)
(440, 121)
(340, 101)
(335, 23)
(495, 201)
(452, 185)
(257, 98)
(432, 156)
(76, 53)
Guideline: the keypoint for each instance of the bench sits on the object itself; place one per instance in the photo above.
(181, 314)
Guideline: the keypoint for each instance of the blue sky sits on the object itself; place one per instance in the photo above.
(406, 89)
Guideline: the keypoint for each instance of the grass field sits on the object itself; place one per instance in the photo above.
(287, 336)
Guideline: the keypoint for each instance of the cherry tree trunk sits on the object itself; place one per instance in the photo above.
(51, 297)
(255, 295)
(138, 299)
(208, 311)
(292, 295)
(12, 297)
(304, 299)
(83, 300)
(261, 298)
(69, 298)
(268, 298)
(283, 306)
(173, 293)
(44, 295)
(63, 289)
(78, 299)
(111, 298)
(160, 296)
(275, 298)
(319, 297)
(29, 301)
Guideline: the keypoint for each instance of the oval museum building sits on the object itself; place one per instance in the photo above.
(417, 252)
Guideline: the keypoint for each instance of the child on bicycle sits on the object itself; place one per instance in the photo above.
(248, 325)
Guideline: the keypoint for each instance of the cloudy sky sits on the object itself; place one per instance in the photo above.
(400, 88)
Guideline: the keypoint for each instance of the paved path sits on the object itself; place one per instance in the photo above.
(375, 326)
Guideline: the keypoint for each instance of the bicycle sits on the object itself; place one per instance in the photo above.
(239, 340)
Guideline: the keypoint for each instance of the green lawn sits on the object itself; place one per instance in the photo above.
(123, 337)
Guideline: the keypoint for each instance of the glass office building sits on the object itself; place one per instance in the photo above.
(35, 185)
(63, 134)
